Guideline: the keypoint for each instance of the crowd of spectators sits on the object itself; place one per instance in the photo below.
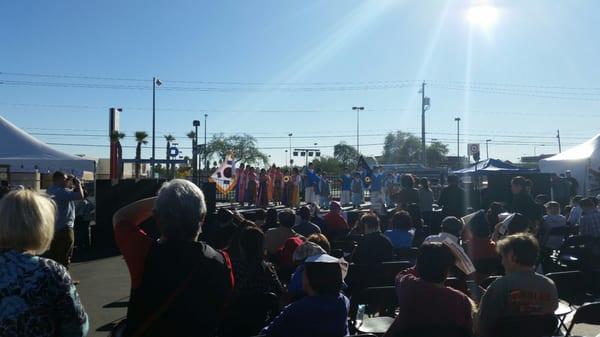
(189, 279)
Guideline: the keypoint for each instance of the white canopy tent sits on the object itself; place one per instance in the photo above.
(582, 160)
(24, 153)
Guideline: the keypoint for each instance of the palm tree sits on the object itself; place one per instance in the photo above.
(115, 138)
(192, 135)
(140, 138)
(169, 138)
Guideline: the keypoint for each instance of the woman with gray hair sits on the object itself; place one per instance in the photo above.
(37, 295)
(179, 285)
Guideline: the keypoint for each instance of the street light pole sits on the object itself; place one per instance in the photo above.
(155, 82)
(487, 153)
(457, 120)
(358, 109)
(290, 135)
(205, 145)
(196, 124)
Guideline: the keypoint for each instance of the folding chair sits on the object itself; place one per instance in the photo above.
(374, 275)
(406, 254)
(485, 283)
(571, 286)
(437, 331)
(525, 326)
(586, 314)
(377, 300)
(573, 251)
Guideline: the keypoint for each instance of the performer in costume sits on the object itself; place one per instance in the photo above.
(324, 191)
(271, 188)
(311, 186)
(357, 190)
(346, 197)
(376, 189)
(240, 189)
(287, 188)
(251, 186)
(263, 189)
(294, 196)
(277, 186)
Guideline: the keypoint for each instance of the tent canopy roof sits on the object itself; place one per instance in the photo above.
(493, 166)
(582, 151)
(24, 153)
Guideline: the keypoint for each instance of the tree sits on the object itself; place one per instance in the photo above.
(192, 135)
(243, 148)
(345, 154)
(331, 165)
(140, 138)
(115, 138)
(169, 138)
(404, 147)
(436, 154)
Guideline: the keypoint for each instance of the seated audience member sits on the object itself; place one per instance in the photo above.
(315, 215)
(480, 246)
(589, 223)
(420, 231)
(423, 299)
(252, 273)
(324, 312)
(513, 224)
(193, 278)
(275, 237)
(261, 217)
(305, 250)
(305, 227)
(270, 220)
(552, 219)
(335, 224)
(37, 295)
(452, 229)
(220, 236)
(402, 233)
(522, 291)
(373, 247)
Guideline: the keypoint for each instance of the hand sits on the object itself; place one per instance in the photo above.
(76, 182)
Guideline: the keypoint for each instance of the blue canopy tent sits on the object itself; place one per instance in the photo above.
(494, 166)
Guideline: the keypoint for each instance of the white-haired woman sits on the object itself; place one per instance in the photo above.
(179, 285)
(37, 296)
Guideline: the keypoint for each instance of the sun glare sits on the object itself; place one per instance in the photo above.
(484, 16)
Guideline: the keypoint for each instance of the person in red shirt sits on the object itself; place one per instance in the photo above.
(335, 224)
(179, 285)
(423, 299)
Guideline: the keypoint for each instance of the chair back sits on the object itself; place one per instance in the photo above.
(586, 314)
(382, 300)
(361, 276)
(485, 283)
(525, 326)
(570, 285)
(249, 313)
(406, 254)
(437, 331)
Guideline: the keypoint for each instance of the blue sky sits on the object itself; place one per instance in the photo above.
(299, 66)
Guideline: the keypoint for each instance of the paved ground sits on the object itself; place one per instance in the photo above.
(104, 290)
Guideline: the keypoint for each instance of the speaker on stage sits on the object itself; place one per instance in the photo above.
(210, 196)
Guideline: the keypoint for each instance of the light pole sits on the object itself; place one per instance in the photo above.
(291, 160)
(205, 145)
(358, 109)
(155, 82)
(487, 153)
(286, 158)
(425, 104)
(196, 124)
(457, 120)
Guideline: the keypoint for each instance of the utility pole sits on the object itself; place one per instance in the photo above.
(291, 160)
(487, 153)
(457, 120)
(155, 82)
(204, 153)
(558, 137)
(358, 109)
(423, 146)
